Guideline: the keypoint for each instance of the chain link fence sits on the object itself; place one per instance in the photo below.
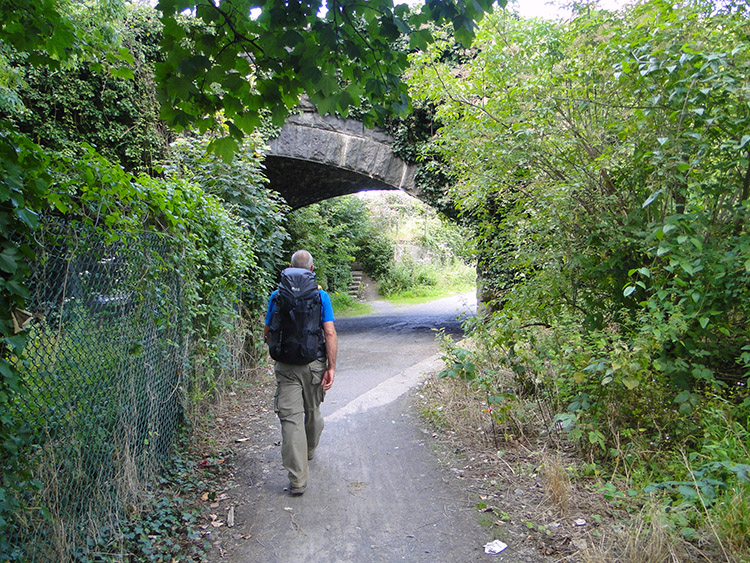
(103, 370)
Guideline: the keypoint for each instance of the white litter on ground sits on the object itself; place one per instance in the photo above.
(494, 547)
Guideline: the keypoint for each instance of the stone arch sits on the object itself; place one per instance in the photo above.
(316, 157)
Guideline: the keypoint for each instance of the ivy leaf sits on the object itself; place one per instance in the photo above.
(631, 383)
(682, 397)
(122, 73)
(400, 107)
(420, 39)
(27, 217)
(9, 260)
(225, 147)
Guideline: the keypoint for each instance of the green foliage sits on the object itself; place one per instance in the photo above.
(460, 364)
(412, 134)
(412, 281)
(375, 253)
(166, 525)
(432, 251)
(604, 165)
(344, 305)
(24, 183)
(100, 367)
(217, 250)
(607, 180)
(76, 77)
(343, 230)
(336, 232)
(239, 60)
(240, 186)
(407, 276)
(98, 99)
(732, 515)
(718, 463)
(41, 29)
(311, 229)
(215, 256)
(347, 229)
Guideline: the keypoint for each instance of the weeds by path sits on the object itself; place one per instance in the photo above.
(530, 489)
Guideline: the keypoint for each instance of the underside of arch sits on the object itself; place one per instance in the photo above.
(302, 182)
(316, 157)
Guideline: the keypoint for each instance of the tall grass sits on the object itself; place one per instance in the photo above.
(411, 281)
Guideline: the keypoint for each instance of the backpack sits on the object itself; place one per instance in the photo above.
(296, 335)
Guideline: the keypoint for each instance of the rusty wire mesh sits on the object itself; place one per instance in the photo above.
(103, 373)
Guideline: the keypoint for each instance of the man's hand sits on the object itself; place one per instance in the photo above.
(327, 381)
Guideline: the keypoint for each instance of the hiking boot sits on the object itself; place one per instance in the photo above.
(297, 491)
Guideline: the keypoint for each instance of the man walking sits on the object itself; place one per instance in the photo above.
(301, 336)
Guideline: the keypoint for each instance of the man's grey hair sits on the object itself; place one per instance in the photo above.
(302, 259)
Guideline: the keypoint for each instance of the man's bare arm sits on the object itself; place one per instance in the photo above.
(332, 348)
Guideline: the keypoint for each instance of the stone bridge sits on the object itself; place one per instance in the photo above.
(317, 157)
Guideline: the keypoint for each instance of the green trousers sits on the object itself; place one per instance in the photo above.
(297, 402)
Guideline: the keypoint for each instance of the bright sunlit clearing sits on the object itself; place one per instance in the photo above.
(554, 10)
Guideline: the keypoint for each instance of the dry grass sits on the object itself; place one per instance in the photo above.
(452, 405)
(517, 468)
(528, 477)
(732, 517)
(648, 539)
(556, 482)
(84, 500)
(79, 505)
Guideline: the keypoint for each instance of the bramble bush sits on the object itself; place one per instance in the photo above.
(605, 165)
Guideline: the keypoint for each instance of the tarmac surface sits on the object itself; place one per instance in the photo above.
(376, 490)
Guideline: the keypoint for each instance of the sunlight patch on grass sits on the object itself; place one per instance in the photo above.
(427, 294)
(357, 309)
(346, 306)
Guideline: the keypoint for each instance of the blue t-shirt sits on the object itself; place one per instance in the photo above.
(326, 309)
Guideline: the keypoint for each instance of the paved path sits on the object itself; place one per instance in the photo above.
(376, 492)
